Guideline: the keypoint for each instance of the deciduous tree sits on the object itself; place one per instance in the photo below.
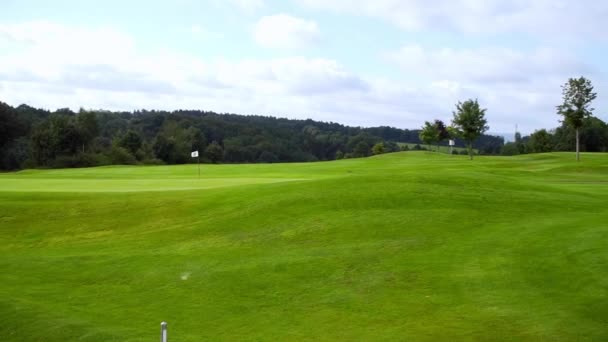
(442, 132)
(470, 122)
(428, 134)
(540, 141)
(577, 96)
(378, 148)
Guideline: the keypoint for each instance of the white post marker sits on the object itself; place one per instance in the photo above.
(194, 154)
(452, 143)
(163, 331)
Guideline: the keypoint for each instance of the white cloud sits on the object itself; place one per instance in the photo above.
(285, 31)
(197, 29)
(488, 65)
(242, 6)
(247, 5)
(201, 33)
(50, 69)
(582, 18)
(52, 66)
(517, 87)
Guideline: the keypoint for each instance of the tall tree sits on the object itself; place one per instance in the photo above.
(41, 144)
(10, 126)
(470, 122)
(577, 94)
(87, 126)
(442, 132)
(428, 133)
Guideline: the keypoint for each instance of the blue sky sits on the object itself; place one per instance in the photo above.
(386, 62)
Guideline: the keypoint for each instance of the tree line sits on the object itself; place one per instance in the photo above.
(38, 138)
(579, 128)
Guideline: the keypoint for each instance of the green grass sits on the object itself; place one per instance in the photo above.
(444, 149)
(404, 246)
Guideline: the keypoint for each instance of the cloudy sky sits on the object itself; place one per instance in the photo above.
(358, 62)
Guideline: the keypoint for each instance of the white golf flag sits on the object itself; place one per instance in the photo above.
(194, 154)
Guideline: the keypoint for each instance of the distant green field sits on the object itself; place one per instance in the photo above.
(444, 149)
(402, 246)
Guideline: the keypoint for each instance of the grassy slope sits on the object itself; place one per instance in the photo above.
(408, 245)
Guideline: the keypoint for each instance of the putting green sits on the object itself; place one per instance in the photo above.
(125, 185)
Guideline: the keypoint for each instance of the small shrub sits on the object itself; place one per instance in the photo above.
(378, 148)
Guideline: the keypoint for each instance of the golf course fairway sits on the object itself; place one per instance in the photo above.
(402, 246)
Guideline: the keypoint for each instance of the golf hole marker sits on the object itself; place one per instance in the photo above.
(194, 154)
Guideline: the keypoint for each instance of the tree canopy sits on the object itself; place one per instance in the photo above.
(428, 133)
(577, 96)
(470, 122)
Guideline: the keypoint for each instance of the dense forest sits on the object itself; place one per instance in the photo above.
(38, 138)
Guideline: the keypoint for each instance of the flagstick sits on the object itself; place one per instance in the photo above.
(198, 161)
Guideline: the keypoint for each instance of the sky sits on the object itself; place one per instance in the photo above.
(357, 62)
